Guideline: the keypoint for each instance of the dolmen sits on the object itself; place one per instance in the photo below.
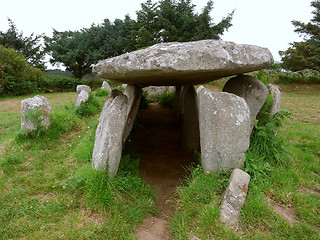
(218, 124)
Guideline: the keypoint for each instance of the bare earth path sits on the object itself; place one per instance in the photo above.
(163, 164)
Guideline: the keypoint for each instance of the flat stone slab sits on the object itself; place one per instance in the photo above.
(184, 63)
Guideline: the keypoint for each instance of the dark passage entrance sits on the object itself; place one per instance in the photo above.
(163, 163)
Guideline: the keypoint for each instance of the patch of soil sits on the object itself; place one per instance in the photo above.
(163, 164)
(285, 212)
(305, 190)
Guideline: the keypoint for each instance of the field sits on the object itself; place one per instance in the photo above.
(48, 190)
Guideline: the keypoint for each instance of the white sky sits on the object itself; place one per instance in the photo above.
(265, 23)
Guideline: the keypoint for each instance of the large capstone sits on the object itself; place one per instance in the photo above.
(224, 121)
(184, 63)
(35, 112)
(252, 90)
(109, 134)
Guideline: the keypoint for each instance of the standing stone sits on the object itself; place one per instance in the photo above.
(83, 87)
(37, 103)
(224, 120)
(252, 90)
(234, 197)
(133, 93)
(109, 134)
(82, 98)
(190, 119)
(106, 86)
(276, 98)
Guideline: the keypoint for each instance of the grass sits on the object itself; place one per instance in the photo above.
(285, 171)
(48, 188)
(49, 191)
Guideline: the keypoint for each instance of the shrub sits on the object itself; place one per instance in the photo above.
(17, 77)
(166, 99)
(90, 107)
(303, 76)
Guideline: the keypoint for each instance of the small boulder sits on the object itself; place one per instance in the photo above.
(155, 91)
(252, 90)
(37, 103)
(234, 197)
(82, 98)
(83, 87)
(106, 86)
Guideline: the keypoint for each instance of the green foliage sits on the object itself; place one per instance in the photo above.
(29, 47)
(144, 99)
(17, 77)
(90, 107)
(36, 117)
(171, 20)
(306, 54)
(101, 92)
(166, 99)
(300, 77)
(266, 147)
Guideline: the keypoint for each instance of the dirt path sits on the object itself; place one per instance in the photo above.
(162, 165)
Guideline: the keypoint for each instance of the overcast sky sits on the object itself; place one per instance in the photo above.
(265, 23)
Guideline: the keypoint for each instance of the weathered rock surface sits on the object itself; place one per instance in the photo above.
(224, 121)
(276, 97)
(83, 87)
(234, 197)
(82, 98)
(190, 119)
(109, 134)
(252, 90)
(106, 86)
(37, 103)
(133, 93)
(186, 63)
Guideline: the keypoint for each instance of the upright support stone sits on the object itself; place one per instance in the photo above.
(189, 119)
(234, 197)
(109, 134)
(133, 93)
(252, 90)
(37, 103)
(106, 86)
(276, 98)
(224, 120)
(176, 99)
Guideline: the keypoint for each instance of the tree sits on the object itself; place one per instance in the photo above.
(305, 54)
(175, 20)
(79, 50)
(17, 77)
(30, 46)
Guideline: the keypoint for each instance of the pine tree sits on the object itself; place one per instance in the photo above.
(305, 54)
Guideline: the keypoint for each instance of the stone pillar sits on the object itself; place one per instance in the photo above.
(106, 86)
(276, 98)
(109, 134)
(189, 119)
(224, 121)
(37, 103)
(133, 94)
(82, 94)
(252, 90)
(234, 197)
